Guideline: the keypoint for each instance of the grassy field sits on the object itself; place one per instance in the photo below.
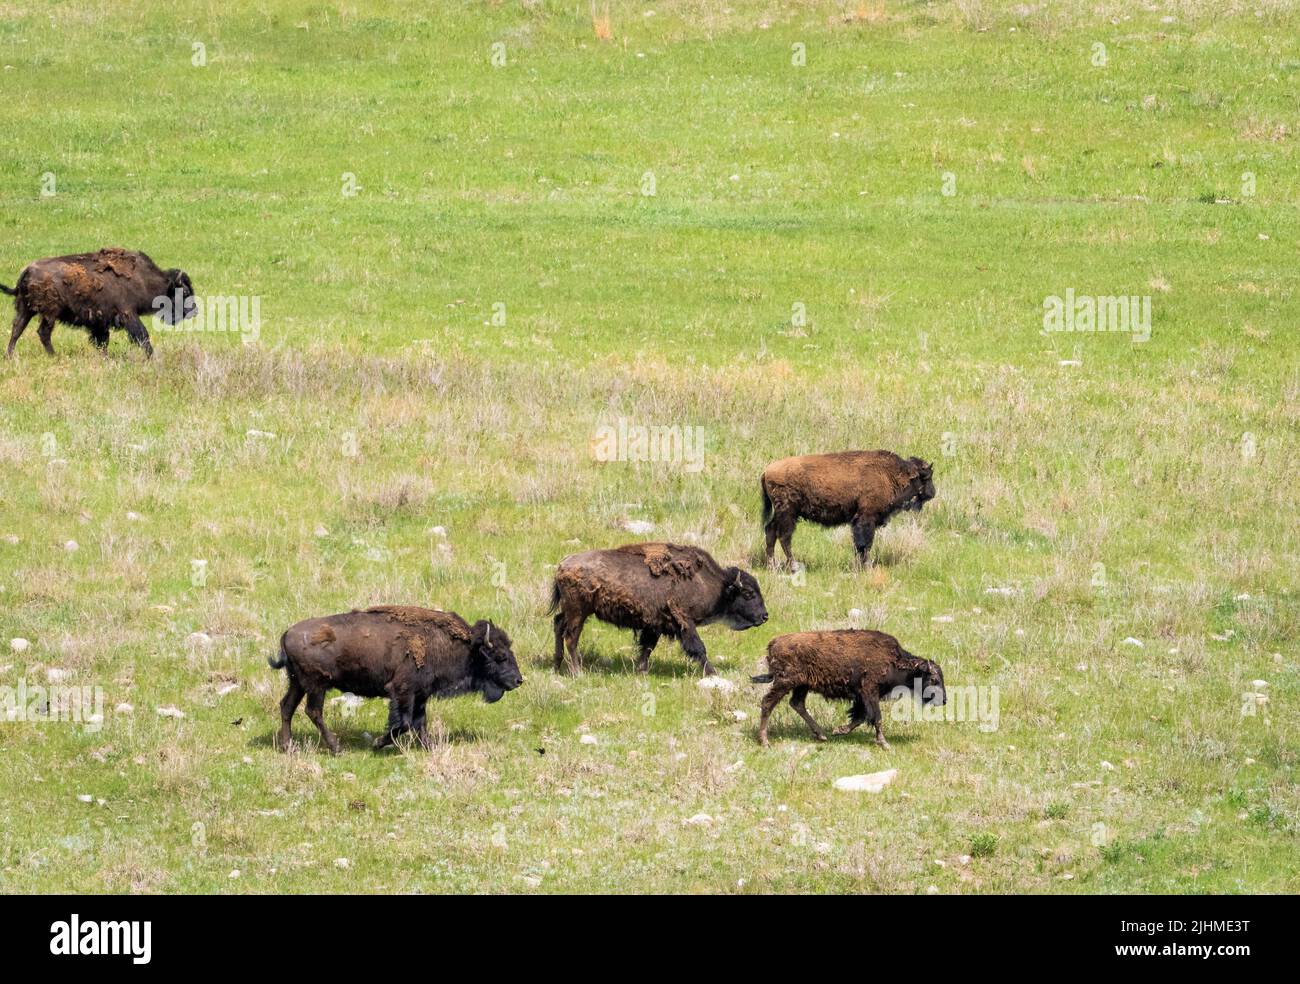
(480, 231)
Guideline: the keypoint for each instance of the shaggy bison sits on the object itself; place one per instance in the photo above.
(99, 292)
(403, 653)
(862, 488)
(654, 589)
(850, 664)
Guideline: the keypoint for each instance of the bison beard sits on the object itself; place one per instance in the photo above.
(99, 292)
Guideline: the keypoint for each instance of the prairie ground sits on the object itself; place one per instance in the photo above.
(479, 232)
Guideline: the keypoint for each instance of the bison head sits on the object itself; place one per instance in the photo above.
(922, 483)
(178, 303)
(930, 678)
(741, 605)
(495, 669)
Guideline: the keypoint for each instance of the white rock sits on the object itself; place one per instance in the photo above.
(11, 539)
(86, 798)
(588, 740)
(1069, 362)
(342, 863)
(932, 890)
(56, 675)
(320, 532)
(349, 702)
(715, 682)
(1004, 592)
(942, 618)
(19, 645)
(1106, 766)
(855, 613)
(226, 688)
(258, 433)
(438, 531)
(963, 859)
(872, 782)
(1130, 641)
(699, 820)
(124, 708)
(170, 711)
(199, 640)
(739, 716)
(1259, 684)
(637, 526)
(532, 881)
(72, 546)
(134, 517)
(234, 874)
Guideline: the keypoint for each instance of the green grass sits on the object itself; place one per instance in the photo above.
(397, 403)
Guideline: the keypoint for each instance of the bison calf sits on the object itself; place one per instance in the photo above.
(403, 653)
(99, 292)
(654, 589)
(861, 488)
(850, 664)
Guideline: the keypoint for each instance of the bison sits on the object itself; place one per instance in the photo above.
(404, 653)
(99, 292)
(654, 589)
(850, 664)
(862, 488)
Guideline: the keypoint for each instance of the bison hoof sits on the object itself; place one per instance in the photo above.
(821, 737)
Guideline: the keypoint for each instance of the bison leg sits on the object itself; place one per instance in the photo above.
(316, 712)
(857, 714)
(401, 719)
(558, 622)
(647, 639)
(288, 704)
(874, 716)
(419, 722)
(572, 633)
(766, 705)
(99, 338)
(770, 532)
(864, 531)
(44, 333)
(796, 701)
(694, 646)
(20, 325)
(136, 330)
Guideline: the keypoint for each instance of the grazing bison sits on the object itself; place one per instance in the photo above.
(850, 664)
(99, 292)
(654, 589)
(403, 653)
(862, 488)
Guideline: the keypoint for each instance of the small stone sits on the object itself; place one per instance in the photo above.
(56, 675)
(124, 708)
(19, 645)
(170, 711)
(872, 782)
(637, 526)
(1130, 641)
(588, 740)
(342, 863)
(86, 798)
(716, 682)
(699, 820)
(72, 546)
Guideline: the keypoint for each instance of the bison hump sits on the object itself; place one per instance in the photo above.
(666, 560)
(416, 617)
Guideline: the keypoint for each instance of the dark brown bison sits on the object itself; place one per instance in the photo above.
(850, 664)
(861, 488)
(403, 653)
(654, 589)
(99, 292)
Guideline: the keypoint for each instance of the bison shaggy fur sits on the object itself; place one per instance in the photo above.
(849, 664)
(860, 488)
(99, 292)
(654, 589)
(404, 653)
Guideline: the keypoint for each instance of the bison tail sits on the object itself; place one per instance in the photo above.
(275, 663)
(8, 290)
(767, 503)
(762, 678)
(555, 598)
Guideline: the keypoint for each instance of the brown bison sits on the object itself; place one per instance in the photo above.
(850, 664)
(861, 488)
(654, 589)
(99, 292)
(403, 653)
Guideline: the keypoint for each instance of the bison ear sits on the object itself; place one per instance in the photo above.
(480, 636)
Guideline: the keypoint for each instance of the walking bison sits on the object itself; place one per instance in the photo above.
(654, 589)
(404, 653)
(861, 488)
(849, 664)
(99, 292)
